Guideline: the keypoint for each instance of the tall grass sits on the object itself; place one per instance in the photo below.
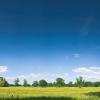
(38, 98)
(65, 93)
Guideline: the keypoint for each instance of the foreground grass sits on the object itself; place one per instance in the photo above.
(67, 93)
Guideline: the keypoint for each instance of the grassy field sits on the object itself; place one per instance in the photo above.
(67, 93)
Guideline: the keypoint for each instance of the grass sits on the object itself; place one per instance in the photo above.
(65, 93)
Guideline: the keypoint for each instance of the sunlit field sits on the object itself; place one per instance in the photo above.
(67, 93)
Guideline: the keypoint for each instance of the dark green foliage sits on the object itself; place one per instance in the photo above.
(50, 84)
(25, 83)
(11, 85)
(35, 84)
(70, 84)
(88, 84)
(3, 82)
(80, 82)
(60, 82)
(93, 94)
(97, 84)
(43, 83)
(17, 82)
(54, 84)
(39, 98)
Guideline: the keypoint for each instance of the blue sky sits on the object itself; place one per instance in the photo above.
(49, 39)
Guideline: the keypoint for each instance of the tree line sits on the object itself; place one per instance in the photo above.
(59, 82)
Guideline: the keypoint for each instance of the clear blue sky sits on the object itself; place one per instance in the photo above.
(52, 36)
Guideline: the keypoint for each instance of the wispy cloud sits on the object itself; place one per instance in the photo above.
(3, 69)
(89, 73)
(89, 70)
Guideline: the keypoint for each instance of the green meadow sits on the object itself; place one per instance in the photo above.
(49, 93)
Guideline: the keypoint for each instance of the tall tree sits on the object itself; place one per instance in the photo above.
(60, 82)
(3, 82)
(25, 83)
(80, 81)
(70, 84)
(16, 82)
(43, 83)
(35, 84)
(97, 84)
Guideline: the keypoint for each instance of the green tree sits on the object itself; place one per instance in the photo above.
(60, 82)
(43, 83)
(97, 84)
(50, 84)
(35, 84)
(70, 84)
(80, 82)
(25, 83)
(54, 84)
(3, 82)
(17, 82)
(88, 84)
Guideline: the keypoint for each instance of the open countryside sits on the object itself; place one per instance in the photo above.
(42, 90)
(49, 93)
(49, 49)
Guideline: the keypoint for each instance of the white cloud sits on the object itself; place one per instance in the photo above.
(91, 77)
(3, 69)
(89, 70)
(76, 55)
(89, 73)
(38, 76)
